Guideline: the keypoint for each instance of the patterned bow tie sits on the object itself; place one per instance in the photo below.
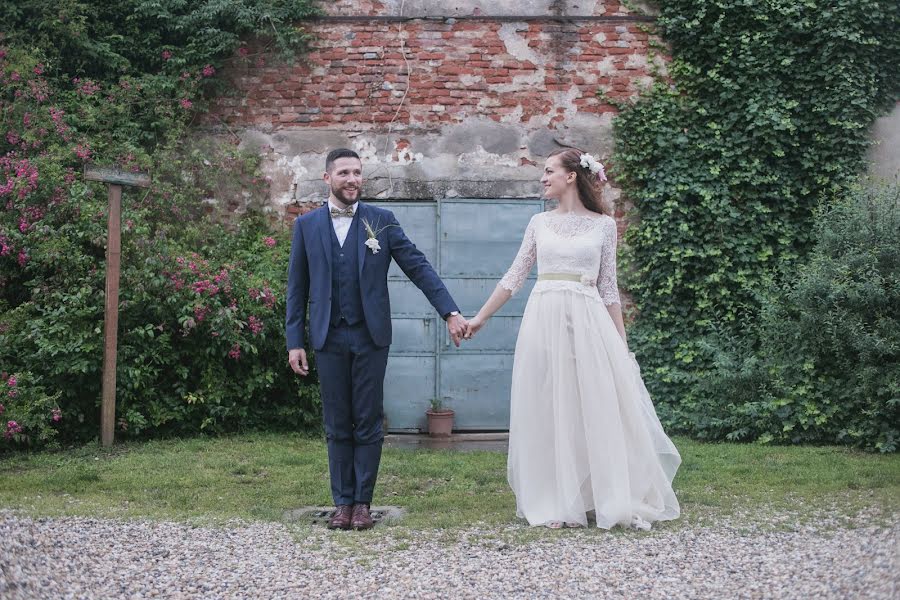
(346, 212)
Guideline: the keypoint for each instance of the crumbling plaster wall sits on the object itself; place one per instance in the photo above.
(445, 105)
(884, 156)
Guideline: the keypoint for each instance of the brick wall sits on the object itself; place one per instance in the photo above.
(466, 105)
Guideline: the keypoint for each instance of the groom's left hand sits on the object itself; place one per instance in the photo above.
(456, 326)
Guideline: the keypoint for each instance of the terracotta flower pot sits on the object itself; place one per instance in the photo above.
(440, 422)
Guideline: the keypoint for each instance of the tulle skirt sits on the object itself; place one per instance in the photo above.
(584, 435)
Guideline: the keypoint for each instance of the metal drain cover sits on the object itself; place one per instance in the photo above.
(319, 515)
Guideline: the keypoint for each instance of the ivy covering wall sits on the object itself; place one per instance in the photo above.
(763, 117)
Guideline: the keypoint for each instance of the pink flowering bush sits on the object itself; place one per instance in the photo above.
(29, 415)
(214, 350)
(201, 313)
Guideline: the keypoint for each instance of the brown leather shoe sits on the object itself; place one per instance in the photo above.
(341, 518)
(361, 517)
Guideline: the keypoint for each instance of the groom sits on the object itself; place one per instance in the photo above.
(340, 256)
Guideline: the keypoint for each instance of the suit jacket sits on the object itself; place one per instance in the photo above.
(309, 275)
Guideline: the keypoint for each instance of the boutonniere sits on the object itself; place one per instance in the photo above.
(372, 235)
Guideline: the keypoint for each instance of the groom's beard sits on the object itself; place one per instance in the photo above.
(341, 194)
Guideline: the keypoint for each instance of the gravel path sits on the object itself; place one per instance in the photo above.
(98, 558)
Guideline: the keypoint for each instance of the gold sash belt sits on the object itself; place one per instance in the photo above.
(560, 277)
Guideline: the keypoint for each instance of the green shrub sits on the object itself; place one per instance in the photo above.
(822, 363)
(136, 72)
(201, 321)
(201, 340)
(764, 115)
(30, 416)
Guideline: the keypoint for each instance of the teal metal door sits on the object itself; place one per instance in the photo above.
(471, 244)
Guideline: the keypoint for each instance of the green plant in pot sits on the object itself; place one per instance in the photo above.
(440, 418)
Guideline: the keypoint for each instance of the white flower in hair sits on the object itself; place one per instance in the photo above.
(593, 165)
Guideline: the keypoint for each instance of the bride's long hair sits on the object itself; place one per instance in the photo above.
(589, 187)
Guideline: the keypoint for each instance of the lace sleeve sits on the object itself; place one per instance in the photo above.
(518, 272)
(606, 281)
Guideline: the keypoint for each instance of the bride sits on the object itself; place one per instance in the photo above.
(584, 436)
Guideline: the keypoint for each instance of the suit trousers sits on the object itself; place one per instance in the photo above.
(351, 378)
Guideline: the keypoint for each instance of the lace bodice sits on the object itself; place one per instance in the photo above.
(583, 245)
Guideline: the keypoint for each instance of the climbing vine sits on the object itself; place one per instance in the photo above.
(763, 116)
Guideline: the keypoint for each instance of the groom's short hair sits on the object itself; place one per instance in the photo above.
(339, 153)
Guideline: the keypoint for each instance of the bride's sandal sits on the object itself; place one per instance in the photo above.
(554, 524)
(640, 524)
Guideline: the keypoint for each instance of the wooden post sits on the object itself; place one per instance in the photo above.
(111, 314)
(115, 179)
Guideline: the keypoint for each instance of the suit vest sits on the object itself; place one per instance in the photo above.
(346, 296)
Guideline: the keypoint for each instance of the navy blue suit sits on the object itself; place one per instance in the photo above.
(345, 288)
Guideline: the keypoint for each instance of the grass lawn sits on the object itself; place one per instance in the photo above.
(259, 476)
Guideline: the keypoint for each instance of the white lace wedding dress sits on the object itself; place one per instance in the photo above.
(584, 435)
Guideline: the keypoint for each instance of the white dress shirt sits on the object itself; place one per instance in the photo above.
(341, 224)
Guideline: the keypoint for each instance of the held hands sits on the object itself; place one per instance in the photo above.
(474, 324)
(456, 326)
(460, 329)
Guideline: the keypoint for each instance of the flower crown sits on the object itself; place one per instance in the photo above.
(593, 165)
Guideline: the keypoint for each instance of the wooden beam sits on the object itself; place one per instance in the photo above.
(116, 176)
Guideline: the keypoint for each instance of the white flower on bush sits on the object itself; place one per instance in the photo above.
(593, 165)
